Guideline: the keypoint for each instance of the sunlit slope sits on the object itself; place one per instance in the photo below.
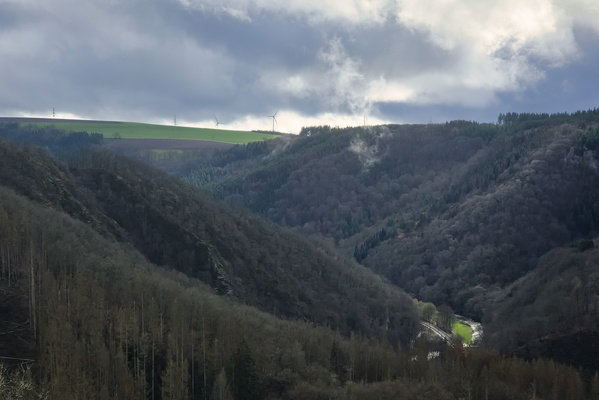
(134, 130)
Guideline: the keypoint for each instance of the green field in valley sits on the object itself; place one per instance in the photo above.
(462, 330)
(134, 130)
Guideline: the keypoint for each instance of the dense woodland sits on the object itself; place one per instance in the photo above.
(238, 255)
(119, 281)
(554, 310)
(452, 213)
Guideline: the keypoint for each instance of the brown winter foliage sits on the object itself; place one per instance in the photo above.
(117, 281)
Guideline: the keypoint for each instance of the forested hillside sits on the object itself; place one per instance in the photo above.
(119, 282)
(103, 323)
(242, 256)
(238, 255)
(553, 311)
(453, 213)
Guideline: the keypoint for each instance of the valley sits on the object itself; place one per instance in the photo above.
(311, 263)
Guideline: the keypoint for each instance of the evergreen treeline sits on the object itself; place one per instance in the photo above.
(54, 140)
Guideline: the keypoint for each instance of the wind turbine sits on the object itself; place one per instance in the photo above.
(217, 123)
(274, 119)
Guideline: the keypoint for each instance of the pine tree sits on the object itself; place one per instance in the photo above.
(242, 374)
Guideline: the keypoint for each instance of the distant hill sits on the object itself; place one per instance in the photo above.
(135, 130)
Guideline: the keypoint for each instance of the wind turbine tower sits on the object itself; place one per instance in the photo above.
(274, 119)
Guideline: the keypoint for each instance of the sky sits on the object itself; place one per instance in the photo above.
(312, 62)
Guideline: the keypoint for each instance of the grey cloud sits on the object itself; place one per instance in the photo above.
(155, 58)
(268, 39)
(397, 51)
(10, 16)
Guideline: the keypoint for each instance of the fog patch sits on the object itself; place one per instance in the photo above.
(367, 146)
(281, 145)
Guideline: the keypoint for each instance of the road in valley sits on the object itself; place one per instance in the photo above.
(476, 327)
(436, 331)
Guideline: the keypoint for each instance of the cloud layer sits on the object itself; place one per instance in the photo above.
(316, 61)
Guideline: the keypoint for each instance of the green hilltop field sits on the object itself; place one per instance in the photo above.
(134, 130)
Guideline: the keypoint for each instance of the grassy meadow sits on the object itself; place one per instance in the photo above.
(462, 330)
(134, 130)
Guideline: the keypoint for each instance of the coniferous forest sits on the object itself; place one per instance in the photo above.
(297, 268)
